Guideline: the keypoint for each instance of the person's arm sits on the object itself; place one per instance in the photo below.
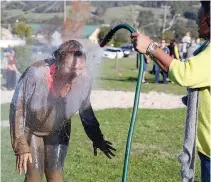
(195, 73)
(89, 121)
(15, 69)
(92, 128)
(18, 111)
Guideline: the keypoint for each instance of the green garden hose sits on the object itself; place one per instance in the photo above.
(106, 39)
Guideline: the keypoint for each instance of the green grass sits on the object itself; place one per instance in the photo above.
(157, 141)
(125, 78)
(126, 13)
(31, 16)
(5, 112)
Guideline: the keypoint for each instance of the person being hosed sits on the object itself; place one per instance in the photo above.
(47, 95)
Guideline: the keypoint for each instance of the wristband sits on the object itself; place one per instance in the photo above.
(151, 49)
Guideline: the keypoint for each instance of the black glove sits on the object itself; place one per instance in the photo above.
(105, 147)
(185, 100)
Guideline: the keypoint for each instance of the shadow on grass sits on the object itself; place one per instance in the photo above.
(127, 79)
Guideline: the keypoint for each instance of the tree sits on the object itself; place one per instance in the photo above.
(179, 28)
(102, 34)
(120, 37)
(79, 15)
(168, 35)
(192, 27)
(144, 18)
(148, 24)
(23, 30)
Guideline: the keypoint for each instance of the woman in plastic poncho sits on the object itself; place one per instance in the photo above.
(48, 94)
(193, 74)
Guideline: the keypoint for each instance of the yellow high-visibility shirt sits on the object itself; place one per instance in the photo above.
(176, 52)
(195, 73)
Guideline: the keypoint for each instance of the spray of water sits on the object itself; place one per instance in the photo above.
(93, 53)
(82, 87)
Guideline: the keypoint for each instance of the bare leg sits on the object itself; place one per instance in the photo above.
(56, 146)
(35, 170)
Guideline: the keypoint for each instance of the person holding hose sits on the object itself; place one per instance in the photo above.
(195, 75)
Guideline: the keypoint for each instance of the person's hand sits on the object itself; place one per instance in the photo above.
(140, 42)
(21, 162)
(105, 147)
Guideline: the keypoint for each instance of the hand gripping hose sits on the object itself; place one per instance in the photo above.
(106, 39)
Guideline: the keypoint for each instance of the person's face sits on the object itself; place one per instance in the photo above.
(72, 66)
(163, 43)
(188, 34)
(198, 41)
(204, 29)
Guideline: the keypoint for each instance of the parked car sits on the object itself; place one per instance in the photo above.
(112, 53)
(127, 49)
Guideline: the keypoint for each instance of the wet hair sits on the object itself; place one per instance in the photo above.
(206, 6)
(67, 48)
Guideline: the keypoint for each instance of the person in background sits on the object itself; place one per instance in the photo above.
(198, 43)
(4, 62)
(153, 68)
(157, 68)
(186, 41)
(191, 49)
(195, 75)
(10, 50)
(146, 62)
(176, 50)
(11, 72)
(173, 48)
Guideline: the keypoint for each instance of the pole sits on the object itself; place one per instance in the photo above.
(116, 62)
(164, 21)
(65, 11)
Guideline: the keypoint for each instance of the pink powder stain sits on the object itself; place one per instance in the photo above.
(49, 78)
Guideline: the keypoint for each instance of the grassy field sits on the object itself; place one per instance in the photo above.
(121, 13)
(127, 12)
(157, 141)
(32, 16)
(125, 78)
(5, 112)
